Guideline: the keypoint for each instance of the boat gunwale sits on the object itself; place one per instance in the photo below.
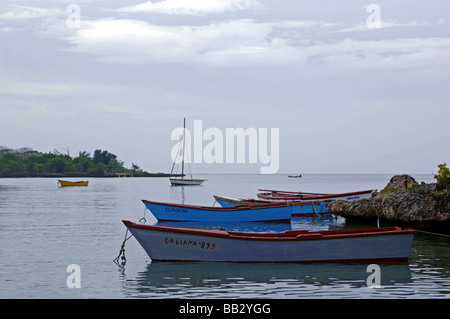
(285, 195)
(251, 201)
(232, 208)
(295, 235)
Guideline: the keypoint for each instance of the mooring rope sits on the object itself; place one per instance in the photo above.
(123, 259)
(427, 232)
(143, 220)
(294, 207)
(314, 209)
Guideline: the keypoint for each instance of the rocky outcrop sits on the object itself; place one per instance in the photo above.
(402, 200)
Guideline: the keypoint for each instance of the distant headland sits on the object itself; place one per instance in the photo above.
(26, 162)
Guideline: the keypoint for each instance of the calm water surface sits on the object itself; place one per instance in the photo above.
(45, 228)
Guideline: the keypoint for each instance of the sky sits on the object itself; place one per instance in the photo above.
(351, 86)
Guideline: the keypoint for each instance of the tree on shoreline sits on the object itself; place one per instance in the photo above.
(443, 177)
(25, 162)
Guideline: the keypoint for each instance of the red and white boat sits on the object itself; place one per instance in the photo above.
(166, 243)
(275, 195)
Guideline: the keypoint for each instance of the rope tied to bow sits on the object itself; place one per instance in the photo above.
(121, 255)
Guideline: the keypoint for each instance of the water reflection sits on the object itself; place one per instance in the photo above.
(242, 280)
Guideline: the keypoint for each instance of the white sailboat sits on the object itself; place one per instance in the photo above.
(181, 181)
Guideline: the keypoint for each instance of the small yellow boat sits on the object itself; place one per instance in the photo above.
(67, 183)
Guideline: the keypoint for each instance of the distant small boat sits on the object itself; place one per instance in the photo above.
(294, 176)
(175, 181)
(239, 213)
(301, 209)
(167, 243)
(67, 183)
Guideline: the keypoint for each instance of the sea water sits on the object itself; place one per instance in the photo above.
(47, 230)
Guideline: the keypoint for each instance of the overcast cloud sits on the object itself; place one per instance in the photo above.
(346, 97)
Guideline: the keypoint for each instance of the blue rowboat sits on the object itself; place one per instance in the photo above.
(241, 213)
(298, 208)
(167, 243)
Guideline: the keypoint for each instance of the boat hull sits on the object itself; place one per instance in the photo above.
(311, 197)
(241, 213)
(298, 208)
(183, 244)
(67, 183)
(186, 182)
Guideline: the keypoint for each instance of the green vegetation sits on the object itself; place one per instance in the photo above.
(26, 162)
(443, 177)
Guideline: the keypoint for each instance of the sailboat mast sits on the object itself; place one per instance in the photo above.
(184, 147)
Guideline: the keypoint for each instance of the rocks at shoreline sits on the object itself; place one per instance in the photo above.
(402, 200)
